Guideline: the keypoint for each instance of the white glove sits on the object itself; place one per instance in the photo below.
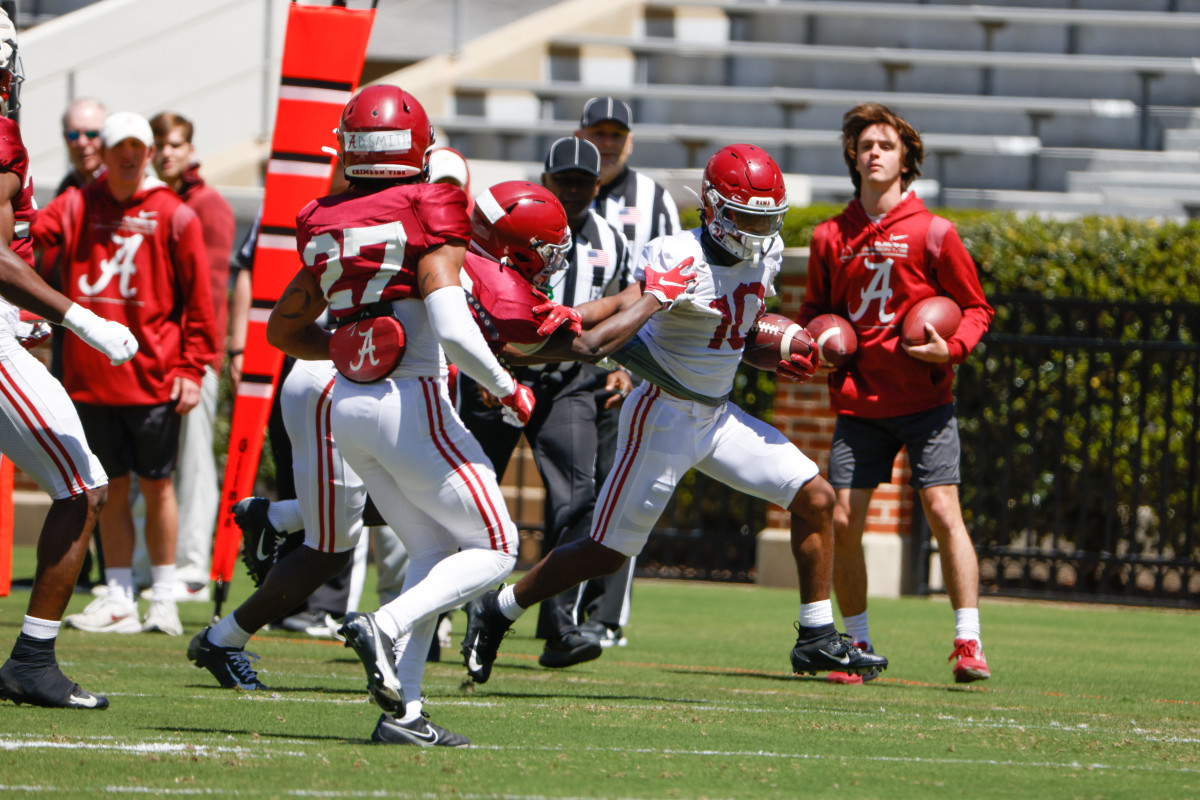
(111, 338)
(8, 38)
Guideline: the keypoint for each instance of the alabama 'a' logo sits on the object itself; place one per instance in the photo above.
(366, 351)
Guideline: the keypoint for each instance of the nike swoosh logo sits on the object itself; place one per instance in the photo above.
(430, 735)
(85, 702)
(262, 556)
(844, 660)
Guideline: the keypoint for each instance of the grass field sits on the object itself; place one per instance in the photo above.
(1085, 702)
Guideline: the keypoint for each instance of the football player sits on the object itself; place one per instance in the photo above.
(680, 418)
(39, 427)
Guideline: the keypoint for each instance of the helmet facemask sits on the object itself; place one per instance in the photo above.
(12, 75)
(744, 229)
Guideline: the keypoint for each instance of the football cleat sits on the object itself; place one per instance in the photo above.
(163, 615)
(420, 732)
(854, 680)
(609, 637)
(231, 666)
(105, 615)
(375, 649)
(46, 687)
(486, 627)
(833, 652)
(969, 663)
(570, 649)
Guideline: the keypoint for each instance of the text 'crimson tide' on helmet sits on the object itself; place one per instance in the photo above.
(523, 226)
(743, 200)
(384, 134)
(11, 73)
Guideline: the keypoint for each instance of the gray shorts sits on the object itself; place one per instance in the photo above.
(864, 450)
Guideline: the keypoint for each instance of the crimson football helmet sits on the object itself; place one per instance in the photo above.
(11, 73)
(743, 200)
(384, 134)
(523, 226)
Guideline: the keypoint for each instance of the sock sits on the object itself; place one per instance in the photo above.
(285, 517)
(120, 585)
(816, 619)
(40, 629)
(227, 633)
(412, 710)
(509, 606)
(162, 582)
(966, 623)
(856, 629)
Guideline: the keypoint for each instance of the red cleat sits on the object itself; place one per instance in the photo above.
(969, 663)
(848, 678)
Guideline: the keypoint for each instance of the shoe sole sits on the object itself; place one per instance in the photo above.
(970, 675)
(810, 669)
(119, 627)
(384, 688)
(100, 701)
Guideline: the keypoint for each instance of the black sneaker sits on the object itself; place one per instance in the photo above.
(420, 731)
(231, 666)
(46, 687)
(570, 649)
(834, 652)
(260, 540)
(486, 627)
(375, 649)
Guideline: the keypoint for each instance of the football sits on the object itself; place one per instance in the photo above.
(942, 312)
(835, 338)
(774, 338)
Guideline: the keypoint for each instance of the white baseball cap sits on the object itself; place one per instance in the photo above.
(126, 125)
(447, 163)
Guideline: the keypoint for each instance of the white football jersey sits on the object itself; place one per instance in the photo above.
(699, 342)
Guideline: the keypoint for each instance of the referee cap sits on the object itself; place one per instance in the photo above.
(570, 152)
(599, 109)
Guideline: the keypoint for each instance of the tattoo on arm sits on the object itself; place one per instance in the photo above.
(295, 303)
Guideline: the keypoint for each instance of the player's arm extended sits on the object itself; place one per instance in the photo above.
(19, 284)
(627, 312)
(292, 326)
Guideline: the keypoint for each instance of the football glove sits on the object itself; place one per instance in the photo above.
(671, 286)
(517, 408)
(556, 316)
(800, 368)
(111, 338)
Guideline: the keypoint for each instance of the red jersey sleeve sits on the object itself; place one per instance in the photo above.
(954, 270)
(442, 211)
(817, 287)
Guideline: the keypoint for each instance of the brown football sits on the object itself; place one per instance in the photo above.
(835, 338)
(774, 338)
(942, 312)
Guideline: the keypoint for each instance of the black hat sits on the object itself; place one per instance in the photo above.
(599, 109)
(570, 152)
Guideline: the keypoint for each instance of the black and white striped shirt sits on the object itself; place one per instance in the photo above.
(599, 264)
(639, 207)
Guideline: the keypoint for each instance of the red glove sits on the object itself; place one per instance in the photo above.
(800, 368)
(517, 408)
(555, 316)
(671, 286)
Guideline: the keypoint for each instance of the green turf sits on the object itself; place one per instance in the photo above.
(1088, 702)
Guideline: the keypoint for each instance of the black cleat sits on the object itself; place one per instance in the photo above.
(570, 649)
(375, 649)
(231, 666)
(486, 627)
(834, 653)
(45, 686)
(420, 731)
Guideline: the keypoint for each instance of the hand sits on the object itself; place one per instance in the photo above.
(30, 333)
(187, 392)
(555, 316)
(800, 368)
(620, 384)
(236, 362)
(111, 338)
(935, 350)
(673, 285)
(488, 399)
(517, 408)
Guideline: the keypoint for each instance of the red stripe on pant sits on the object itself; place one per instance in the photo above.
(49, 442)
(621, 472)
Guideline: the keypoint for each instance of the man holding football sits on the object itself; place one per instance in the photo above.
(871, 264)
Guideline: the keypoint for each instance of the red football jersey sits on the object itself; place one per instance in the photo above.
(14, 158)
(502, 302)
(363, 246)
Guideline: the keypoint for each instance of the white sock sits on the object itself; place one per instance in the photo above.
(227, 633)
(412, 710)
(162, 582)
(856, 628)
(42, 629)
(813, 615)
(509, 606)
(966, 623)
(448, 581)
(120, 585)
(285, 517)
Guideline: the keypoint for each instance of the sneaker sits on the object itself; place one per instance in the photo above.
(163, 615)
(46, 687)
(969, 663)
(420, 732)
(608, 637)
(570, 649)
(183, 592)
(374, 649)
(486, 627)
(319, 624)
(104, 615)
(854, 680)
(231, 666)
(833, 652)
(260, 539)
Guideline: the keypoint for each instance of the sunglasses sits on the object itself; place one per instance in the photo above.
(73, 136)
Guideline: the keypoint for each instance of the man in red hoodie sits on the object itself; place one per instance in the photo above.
(871, 264)
(196, 477)
(134, 253)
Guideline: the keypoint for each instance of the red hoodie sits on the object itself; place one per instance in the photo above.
(871, 273)
(141, 263)
(216, 220)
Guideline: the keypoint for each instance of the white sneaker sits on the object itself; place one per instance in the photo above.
(163, 616)
(183, 592)
(104, 615)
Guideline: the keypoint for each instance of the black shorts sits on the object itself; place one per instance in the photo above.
(141, 439)
(864, 450)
